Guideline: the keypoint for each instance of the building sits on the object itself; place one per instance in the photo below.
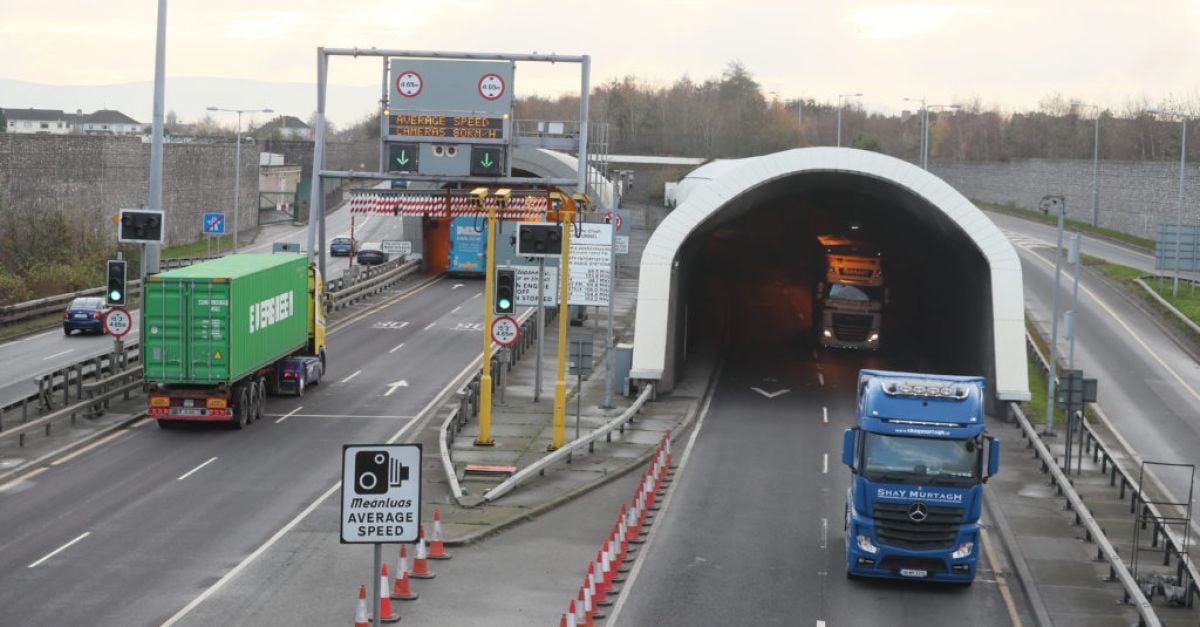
(57, 122)
(284, 127)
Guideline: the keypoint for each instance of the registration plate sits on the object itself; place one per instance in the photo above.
(187, 412)
(81, 316)
(913, 572)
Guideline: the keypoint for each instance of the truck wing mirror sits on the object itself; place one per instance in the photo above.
(993, 456)
(848, 440)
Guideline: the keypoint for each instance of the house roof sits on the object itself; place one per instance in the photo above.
(103, 116)
(108, 116)
(285, 121)
(36, 115)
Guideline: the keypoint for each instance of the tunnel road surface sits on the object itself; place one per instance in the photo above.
(131, 531)
(753, 531)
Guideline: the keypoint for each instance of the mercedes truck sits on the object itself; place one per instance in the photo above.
(218, 336)
(851, 298)
(918, 459)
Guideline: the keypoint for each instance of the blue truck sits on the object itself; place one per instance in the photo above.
(468, 246)
(918, 458)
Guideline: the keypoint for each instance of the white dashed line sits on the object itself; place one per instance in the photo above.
(825, 415)
(356, 373)
(821, 379)
(398, 347)
(60, 549)
(289, 414)
(825, 463)
(189, 473)
(69, 350)
(429, 326)
(455, 310)
(824, 533)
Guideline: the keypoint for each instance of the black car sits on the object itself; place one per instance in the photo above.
(372, 255)
(341, 247)
(85, 314)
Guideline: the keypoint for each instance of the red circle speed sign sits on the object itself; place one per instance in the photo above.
(409, 84)
(117, 322)
(491, 86)
(505, 331)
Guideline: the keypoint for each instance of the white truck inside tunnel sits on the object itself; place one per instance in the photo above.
(736, 258)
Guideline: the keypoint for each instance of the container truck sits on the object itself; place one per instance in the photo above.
(852, 296)
(918, 459)
(217, 337)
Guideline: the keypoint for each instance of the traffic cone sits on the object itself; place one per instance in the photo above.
(401, 591)
(386, 615)
(581, 615)
(571, 616)
(591, 594)
(437, 550)
(670, 461)
(420, 568)
(360, 615)
(614, 560)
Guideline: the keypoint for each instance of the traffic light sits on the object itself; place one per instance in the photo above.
(141, 225)
(506, 291)
(115, 294)
(539, 240)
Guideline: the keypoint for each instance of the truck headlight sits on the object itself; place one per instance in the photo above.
(828, 333)
(963, 550)
(874, 337)
(865, 545)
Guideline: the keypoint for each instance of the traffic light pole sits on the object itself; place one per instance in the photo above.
(560, 382)
(485, 380)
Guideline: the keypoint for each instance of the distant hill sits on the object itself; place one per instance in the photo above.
(188, 96)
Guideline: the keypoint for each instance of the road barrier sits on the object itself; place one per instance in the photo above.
(343, 292)
(98, 394)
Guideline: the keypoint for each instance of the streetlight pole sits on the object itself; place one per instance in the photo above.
(1059, 204)
(1095, 162)
(928, 108)
(237, 167)
(841, 98)
(924, 131)
(1179, 209)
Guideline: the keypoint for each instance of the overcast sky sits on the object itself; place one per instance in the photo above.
(1009, 53)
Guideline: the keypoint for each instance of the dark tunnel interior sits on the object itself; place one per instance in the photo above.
(749, 275)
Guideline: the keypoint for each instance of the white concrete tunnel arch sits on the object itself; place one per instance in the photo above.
(715, 185)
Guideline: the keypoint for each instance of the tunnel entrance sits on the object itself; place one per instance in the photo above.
(743, 264)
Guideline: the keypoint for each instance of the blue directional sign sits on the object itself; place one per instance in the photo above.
(214, 224)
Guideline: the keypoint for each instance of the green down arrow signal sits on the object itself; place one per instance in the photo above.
(487, 160)
(403, 158)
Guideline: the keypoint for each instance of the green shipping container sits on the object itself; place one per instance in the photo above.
(220, 320)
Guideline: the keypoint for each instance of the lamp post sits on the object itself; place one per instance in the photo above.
(841, 98)
(237, 166)
(1179, 208)
(925, 153)
(1095, 162)
(924, 134)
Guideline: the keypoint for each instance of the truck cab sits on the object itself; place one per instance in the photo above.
(918, 459)
(852, 295)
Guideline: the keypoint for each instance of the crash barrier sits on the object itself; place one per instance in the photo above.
(1184, 320)
(12, 314)
(1185, 587)
(468, 389)
(396, 584)
(1118, 571)
(565, 452)
(368, 282)
(94, 401)
(601, 583)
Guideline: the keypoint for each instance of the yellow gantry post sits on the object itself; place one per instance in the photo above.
(560, 383)
(478, 196)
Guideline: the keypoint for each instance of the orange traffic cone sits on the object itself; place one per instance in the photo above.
(401, 591)
(386, 615)
(569, 617)
(592, 592)
(360, 615)
(420, 568)
(580, 612)
(437, 551)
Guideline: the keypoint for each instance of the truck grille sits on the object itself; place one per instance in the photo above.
(851, 327)
(893, 527)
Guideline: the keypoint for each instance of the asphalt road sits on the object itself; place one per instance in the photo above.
(24, 359)
(131, 531)
(753, 533)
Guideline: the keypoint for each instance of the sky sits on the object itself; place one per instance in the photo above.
(1004, 53)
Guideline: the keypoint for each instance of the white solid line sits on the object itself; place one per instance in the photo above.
(821, 378)
(398, 347)
(246, 562)
(429, 326)
(825, 463)
(825, 415)
(58, 354)
(455, 310)
(189, 473)
(356, 373)
(295, 415)
(289, 414)
(60, 549)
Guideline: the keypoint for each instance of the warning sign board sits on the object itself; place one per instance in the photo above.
(591, 250)
(381, 493)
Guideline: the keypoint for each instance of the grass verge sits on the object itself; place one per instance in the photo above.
(198, 249)
(1035, 407)
(1187, 302)
(1075, 225)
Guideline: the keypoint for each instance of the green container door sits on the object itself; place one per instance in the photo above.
(187, 339)
(270, 310)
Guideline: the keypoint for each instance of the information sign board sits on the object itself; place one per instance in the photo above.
(396, 247)
(441, 127)
(381, 493)
(590, 263)
(214, 224)
(1177, 247)
(480, 87)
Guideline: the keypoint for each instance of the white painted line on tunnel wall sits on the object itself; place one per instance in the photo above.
(825, 463)
(429, 326)
(289, 414)
(825, 415)
(60, 549)
(398, 347)
(356, 373)
(59, 354)
(194, 470)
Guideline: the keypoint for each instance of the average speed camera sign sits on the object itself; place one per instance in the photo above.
(117, 322)
(505, 331)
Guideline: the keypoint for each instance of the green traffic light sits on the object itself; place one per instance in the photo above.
(504, 303)
(114, 296)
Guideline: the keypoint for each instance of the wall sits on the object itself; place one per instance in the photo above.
(92, 177)
(1134, 196)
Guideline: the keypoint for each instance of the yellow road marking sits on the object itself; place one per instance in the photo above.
(25, 477)
(102, 441)
(1001, 578)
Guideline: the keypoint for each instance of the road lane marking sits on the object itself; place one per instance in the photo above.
(289, 414)
(820, 623)
(455, 310)
(477, 295)
(398, 347)
(1137, 338)
(824, 533)
(23, 478)
(295, 415)
(825, 415)
(190, 472)
(821, 379)
(429, 326)
(60, 549)
(825, 463)
(1001, 578)
(69, 350)
(335, 327)
(77, 453)
(356, 373)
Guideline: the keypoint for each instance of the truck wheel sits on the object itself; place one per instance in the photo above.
(300, 386)
(241, 413)
(262, 399)
(322, 361)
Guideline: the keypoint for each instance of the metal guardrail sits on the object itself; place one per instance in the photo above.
(1109, 465)
(374, 279)
(589, 440)
(1141, 281)
(98, 393)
